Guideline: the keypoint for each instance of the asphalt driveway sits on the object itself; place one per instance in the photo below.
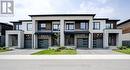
(20, 52)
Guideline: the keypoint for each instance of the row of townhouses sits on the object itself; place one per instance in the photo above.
(3, 28)
(69, 30)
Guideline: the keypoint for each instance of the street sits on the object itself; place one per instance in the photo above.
(65, 64)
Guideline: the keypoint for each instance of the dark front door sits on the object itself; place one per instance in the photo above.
(28, 44)
(82, 43)
(43, 43)
(27, 41)
(97, 40)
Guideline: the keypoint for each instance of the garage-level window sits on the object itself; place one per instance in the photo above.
(96, 25)
(29, 26)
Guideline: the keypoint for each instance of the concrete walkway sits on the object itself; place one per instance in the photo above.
(97, 51)
(20, 52)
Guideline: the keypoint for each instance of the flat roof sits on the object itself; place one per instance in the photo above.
(63, 15)
(6, 24)
(19, 21)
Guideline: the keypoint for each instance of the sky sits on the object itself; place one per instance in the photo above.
(113, 9)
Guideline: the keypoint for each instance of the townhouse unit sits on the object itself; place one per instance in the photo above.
(69, 30)
(3, 28)
(125, 26)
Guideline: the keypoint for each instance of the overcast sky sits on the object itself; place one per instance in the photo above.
(118, 9)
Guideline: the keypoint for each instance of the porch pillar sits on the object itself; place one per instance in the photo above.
(7, 40)
(105, 39)
(90, 41)
(61, 32)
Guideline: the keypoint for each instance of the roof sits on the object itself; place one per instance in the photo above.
(124, 22)
(19, 21)
(63, 15)
(6, 24)
(101, 18)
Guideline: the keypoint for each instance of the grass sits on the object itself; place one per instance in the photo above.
(126, 51)
(4, 49)
(54, 52)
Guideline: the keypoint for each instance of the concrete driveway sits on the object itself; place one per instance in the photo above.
(20, 52)
(96, 51)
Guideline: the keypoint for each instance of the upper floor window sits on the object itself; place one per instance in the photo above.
(41, 26)
(56, 27)
(18, 27)
(69, 26)
(83, 25)
(109, 26)
(29, 26)
(96, 25)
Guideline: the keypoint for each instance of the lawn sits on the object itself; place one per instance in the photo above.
(3, 49)
(126, 51)
(54, 52)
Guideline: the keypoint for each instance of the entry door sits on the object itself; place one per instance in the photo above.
(43, 43)
(82, 43)
(28, 43)
(98, 43)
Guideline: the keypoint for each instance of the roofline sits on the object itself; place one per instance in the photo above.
(101, 18)
(19, 21)
(6, 24)
(114, 20)
(123, 22)
(63, 15)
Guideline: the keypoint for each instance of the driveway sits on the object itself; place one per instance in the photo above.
(20, 52)
(96, 51)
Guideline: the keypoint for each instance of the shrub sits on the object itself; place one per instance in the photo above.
(122, 47)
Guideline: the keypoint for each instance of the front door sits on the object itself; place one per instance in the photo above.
(82, 43)
(43, 43)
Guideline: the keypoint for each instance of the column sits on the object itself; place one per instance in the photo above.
(34, 37)
(7, 40)
(89, 45)
(105, 39)
(61, 32)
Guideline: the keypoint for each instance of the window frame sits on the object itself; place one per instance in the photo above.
(28, 29)
(18, 26)
(111, 26)
(95, 26)
(85, 26)
(56, 29)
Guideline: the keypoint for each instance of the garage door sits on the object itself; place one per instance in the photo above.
(28, 43)
(43, 43)
(82, 42)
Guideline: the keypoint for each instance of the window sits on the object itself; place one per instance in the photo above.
(56, 27)
(70, 26)
(83, 25)
(29, 26)
(41, 26)
(109, 26)
(18, 27)
(96, 25)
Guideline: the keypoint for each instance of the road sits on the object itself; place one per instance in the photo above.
(62, 64)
